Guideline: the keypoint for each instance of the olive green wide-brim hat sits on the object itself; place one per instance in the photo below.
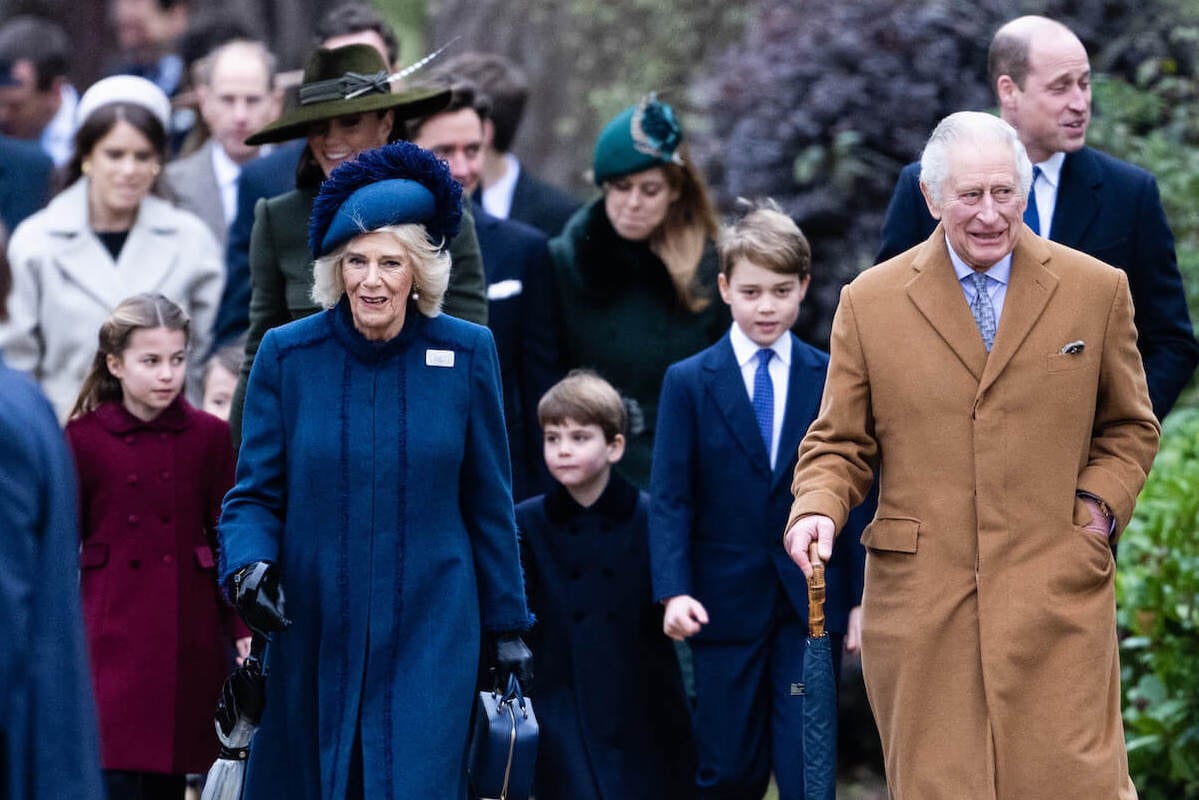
(347, 80)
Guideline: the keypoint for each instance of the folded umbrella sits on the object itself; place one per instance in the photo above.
(238, 713)
(820, 696)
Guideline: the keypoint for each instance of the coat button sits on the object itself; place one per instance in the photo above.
(576, 574)
(608, 572)
(135, 563)
(133, 519)
(129, 438)
(166, 475)
(168, 559)
(131, 479)
(166, 518)
(579, 616)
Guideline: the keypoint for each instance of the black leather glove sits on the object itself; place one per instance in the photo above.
(259, 597)
(513, 657)
(242, 695)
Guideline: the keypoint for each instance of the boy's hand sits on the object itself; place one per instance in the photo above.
(813, 528)
(853, 636)
(684, 617)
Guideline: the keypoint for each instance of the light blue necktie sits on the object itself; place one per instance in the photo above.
(983, 311)
(1031, 217)
(764, 398)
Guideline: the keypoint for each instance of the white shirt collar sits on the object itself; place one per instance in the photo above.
(1051, 168)
(58, 137)
(497, 198)
(1001, 270)
(745, 349)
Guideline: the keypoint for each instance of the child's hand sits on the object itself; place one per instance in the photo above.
(853, 636)
(684, 617)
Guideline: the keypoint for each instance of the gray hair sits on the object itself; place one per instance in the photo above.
(973, 127)
(431, 269)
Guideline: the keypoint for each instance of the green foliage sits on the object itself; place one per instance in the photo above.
(1157, 588)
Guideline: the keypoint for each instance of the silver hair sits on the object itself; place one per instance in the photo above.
(974, 127)
(431, 269)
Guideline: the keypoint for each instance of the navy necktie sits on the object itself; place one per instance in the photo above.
(764, 398)
(1031, 217)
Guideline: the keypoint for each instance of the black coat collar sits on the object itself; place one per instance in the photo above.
(617, 503)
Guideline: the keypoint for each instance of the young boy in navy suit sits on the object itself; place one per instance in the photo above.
(614, 722)
(730, 420)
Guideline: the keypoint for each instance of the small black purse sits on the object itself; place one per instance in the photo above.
(503, 745)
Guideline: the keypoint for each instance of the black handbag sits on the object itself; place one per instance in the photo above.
(503, 745)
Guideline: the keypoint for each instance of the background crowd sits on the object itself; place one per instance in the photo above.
(197, 179)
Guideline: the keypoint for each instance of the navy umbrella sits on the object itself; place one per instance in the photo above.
(820, 696)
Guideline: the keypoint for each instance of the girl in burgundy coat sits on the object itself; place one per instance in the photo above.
(152, 473)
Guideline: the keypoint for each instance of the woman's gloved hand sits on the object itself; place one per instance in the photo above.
(513, 657)
(259, 597)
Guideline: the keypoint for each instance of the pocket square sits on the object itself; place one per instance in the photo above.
(502, 290)
(1073, 348)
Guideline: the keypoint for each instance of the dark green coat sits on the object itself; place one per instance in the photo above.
(281, 276)
(620, 316)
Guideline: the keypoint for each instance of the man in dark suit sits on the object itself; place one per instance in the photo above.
(1081, 197)
(520, 290)
(507, 189)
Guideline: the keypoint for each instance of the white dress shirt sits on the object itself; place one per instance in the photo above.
(497, 198)
(997, 274)
(746, 353)
(227, 171)
(1045, 189)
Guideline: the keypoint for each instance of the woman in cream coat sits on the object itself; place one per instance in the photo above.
(103, 239)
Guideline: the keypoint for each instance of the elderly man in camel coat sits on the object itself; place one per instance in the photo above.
(1008, 419)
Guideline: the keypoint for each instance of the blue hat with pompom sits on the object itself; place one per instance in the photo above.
(640, 137)
(395, 184)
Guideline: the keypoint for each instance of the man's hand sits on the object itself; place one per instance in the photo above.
(813, 528)
(684, 617)
(853, 635)
(1100, 523)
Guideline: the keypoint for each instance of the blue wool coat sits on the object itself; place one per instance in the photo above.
(375, 474)
(48, 743)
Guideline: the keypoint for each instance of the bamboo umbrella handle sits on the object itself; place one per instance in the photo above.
(815, 594)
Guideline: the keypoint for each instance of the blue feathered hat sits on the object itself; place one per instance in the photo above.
(395, 184)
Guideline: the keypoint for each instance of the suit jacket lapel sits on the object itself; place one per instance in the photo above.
(723, 379)
(938, 295)
(804, 391)
(1077, 198)
(1029, 289)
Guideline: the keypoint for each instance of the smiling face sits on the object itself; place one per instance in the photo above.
(151, 370)
(764, 303)
(456, 137)
(121, 168)
(238, 99)
(981, 205)
(342, 138)
(378, 274)
(579, 457)
(1053, 108)
(637, 204)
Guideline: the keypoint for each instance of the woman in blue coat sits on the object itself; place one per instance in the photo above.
(373, 485)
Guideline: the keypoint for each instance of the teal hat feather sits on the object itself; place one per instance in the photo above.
(642, 136)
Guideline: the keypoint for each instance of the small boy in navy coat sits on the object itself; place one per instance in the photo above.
(730, 420)
(614, 723)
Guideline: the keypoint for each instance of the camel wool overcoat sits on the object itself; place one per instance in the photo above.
(989, 637)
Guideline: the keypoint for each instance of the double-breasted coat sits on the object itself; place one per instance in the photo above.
(159, 633)
(65, 284)
(988, 637)
(609, 697)
(375, 475)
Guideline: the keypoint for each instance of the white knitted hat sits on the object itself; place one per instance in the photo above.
(124, 89)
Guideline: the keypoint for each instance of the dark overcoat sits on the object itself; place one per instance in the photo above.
(48, 744)
(375, 474)
(620, 316)
(614, 722)
(158, 631)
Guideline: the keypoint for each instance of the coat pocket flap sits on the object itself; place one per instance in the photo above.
(890, 533)
(93, 555)
(204, 557)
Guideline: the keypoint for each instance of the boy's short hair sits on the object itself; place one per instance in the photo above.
(586, 398)
(767, 237)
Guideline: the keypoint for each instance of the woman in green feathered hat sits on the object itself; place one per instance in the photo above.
(345, 105)
(636, 268)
